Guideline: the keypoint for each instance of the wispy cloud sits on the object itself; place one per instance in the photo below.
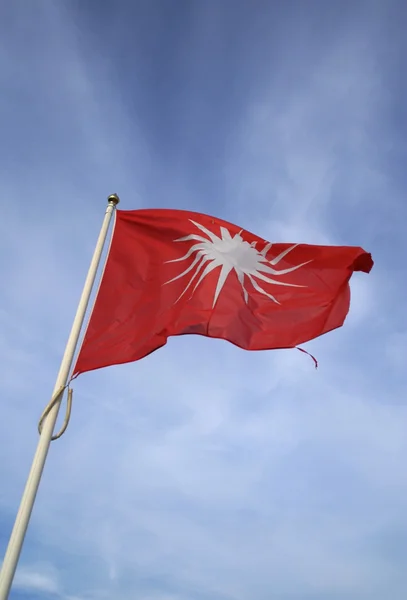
(41, 579)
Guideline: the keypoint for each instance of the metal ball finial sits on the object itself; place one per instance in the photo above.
(113, 199)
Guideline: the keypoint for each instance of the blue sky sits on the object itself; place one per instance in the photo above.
(205, 472)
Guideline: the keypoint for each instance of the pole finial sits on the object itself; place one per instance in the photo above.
(113, 199)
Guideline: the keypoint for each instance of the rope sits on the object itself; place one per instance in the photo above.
(55, 398)
(313, 357)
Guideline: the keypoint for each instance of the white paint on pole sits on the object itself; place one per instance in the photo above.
(15, 544)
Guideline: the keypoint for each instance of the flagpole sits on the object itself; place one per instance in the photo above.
(16, 541)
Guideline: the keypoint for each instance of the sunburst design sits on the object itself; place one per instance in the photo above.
(231, 253)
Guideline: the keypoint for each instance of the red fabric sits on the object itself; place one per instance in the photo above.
(136, 310)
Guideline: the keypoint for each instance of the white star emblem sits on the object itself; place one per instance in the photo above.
(231, 253)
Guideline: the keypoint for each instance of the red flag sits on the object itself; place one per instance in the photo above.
(174, 272)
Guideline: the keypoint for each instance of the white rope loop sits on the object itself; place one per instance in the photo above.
(55, 398)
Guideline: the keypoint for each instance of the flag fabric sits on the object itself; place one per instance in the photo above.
(174, 272)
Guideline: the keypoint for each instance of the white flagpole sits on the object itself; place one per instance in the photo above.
(15, 544)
